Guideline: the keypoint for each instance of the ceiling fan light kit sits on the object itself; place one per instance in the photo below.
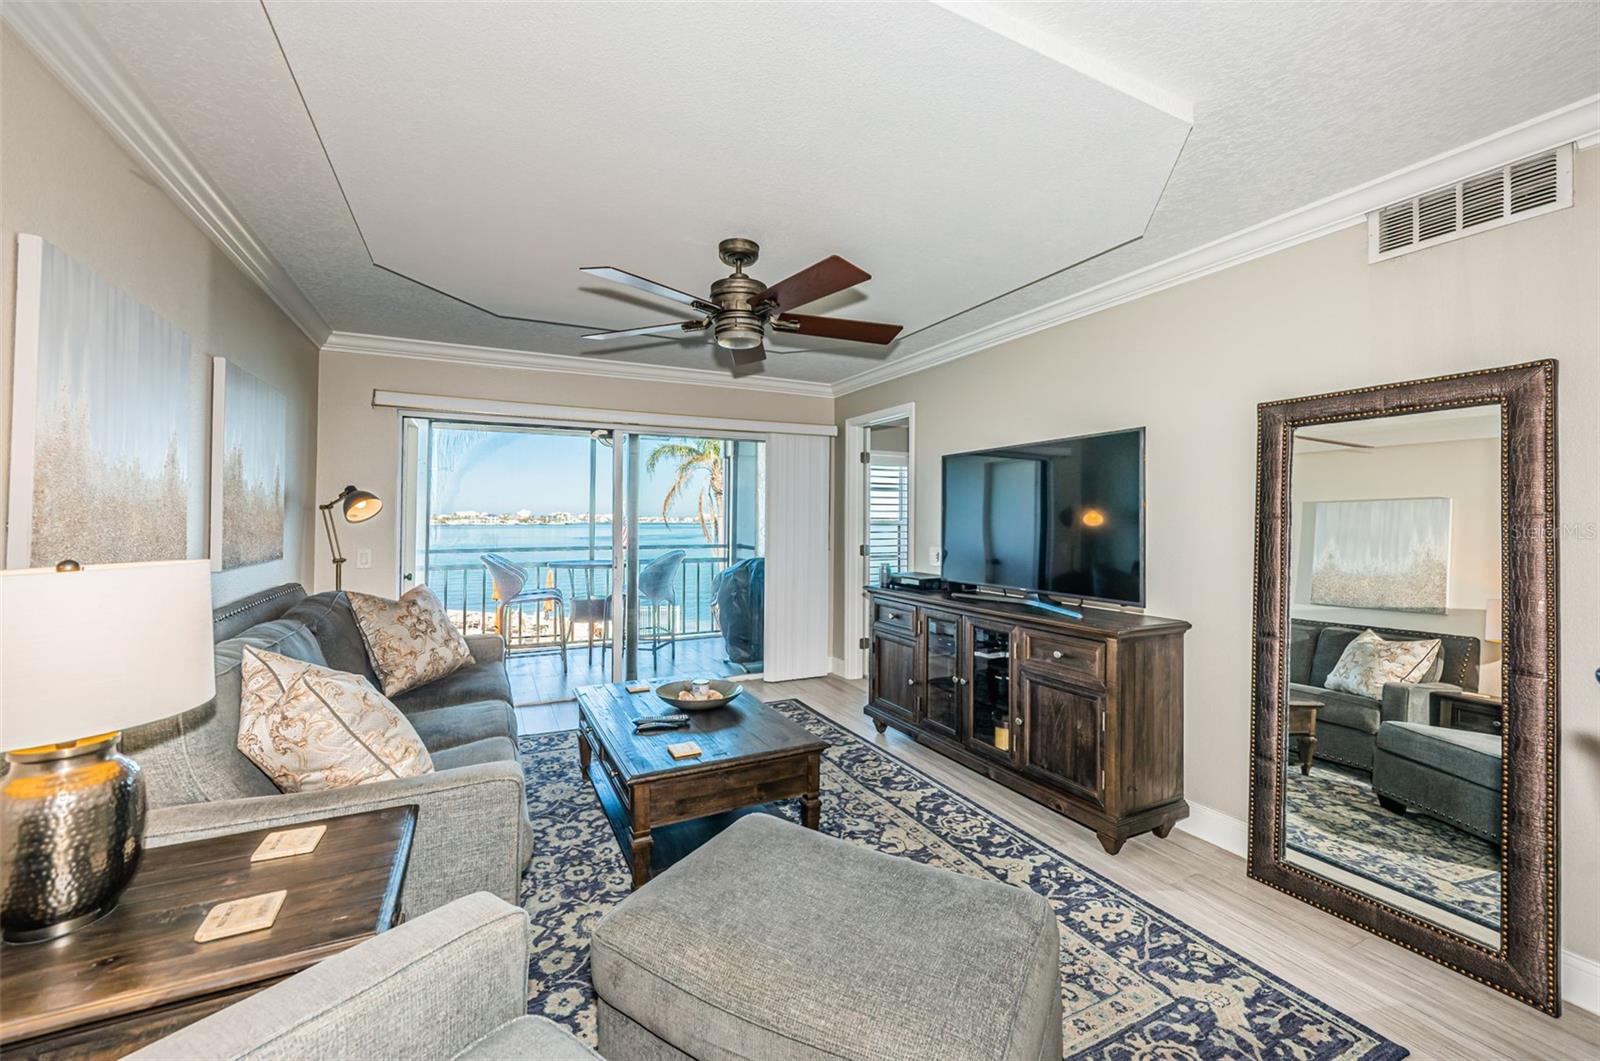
(741, 308)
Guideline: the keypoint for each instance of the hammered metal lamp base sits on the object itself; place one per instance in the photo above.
(71, 833)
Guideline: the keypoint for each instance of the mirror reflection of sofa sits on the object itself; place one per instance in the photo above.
(1347, 724)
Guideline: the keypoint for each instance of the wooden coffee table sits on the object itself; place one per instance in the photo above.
(662, 808)
(1303, 726)
(137, 974)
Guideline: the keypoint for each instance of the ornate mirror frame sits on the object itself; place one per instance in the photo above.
(1525, 965)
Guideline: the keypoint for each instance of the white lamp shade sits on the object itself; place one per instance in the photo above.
(1491, 620)
(106, 648)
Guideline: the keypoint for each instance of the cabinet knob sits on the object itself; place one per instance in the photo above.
(911, 681)
(1056, 654)
(1019, 721)
(891, 615)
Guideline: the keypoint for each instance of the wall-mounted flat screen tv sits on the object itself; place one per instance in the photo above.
(1064, 518)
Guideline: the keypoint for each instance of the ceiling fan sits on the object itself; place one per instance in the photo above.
(741, 308)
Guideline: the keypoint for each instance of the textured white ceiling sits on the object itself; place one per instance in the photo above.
(490, 151)
(1292, 103)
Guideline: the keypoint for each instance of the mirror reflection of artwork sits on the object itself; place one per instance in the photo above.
(1390, 554)
(250, 451)
(107, 457)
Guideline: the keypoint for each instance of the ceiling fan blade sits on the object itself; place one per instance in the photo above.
(622, 276)
(654, 329)
(838, 328)
(829, 275)
(752, 356)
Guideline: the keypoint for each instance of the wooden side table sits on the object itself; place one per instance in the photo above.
(1470, 711)
(1303, 726)
(137, 975)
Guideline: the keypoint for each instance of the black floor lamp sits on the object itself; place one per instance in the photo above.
(358, 506)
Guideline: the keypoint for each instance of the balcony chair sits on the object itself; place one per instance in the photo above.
(658, 586)
(511, 587)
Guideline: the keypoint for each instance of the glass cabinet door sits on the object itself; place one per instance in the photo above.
(990, 688)
(941, 699)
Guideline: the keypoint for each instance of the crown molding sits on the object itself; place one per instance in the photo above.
(1579, 122)
(572, 365)
(61, 37)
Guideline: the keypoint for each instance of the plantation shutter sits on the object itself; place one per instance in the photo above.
(888, 513)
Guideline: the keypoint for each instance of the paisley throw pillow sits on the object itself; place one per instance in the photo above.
(410, 641)
(1369, 662)
(310, 728)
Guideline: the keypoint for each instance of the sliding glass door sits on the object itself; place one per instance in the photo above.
(598, 554)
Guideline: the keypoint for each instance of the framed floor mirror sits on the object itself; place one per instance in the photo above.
(1403, 740)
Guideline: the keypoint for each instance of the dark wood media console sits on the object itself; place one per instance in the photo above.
(1082, 715)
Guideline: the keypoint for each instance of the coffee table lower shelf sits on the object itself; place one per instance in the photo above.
(670, 842)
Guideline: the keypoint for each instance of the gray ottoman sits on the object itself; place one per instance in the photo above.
(778, 943)
(1449, 774)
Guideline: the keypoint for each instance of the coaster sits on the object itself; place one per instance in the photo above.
(288, 842)
(687, 750)
(638, 687)
(238, 916)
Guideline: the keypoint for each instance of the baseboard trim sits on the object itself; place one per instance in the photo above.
(1580, 976)
(1580, 981)
(1216, 828)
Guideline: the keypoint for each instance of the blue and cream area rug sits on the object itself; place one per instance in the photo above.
(1136, 982)
(1333, 815)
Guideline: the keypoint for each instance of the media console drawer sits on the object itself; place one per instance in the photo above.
(1071, 653)
(894, 616)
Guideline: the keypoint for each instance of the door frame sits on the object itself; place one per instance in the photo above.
(852, 661)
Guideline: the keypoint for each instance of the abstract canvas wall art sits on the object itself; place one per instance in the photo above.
(250, 447)
(1389, 554)
(108, 422)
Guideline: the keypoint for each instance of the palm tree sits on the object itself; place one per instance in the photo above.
(694, 456)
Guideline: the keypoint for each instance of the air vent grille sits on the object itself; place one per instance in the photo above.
(1516, 192)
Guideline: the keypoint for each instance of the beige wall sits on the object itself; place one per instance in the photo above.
(360, 444)
(1465, 471)
(1192, 362)
(64, 178)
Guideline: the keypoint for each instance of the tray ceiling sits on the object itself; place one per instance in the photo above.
(977, 170)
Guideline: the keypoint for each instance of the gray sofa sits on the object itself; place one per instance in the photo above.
(472, 821)
(1347, 724)
(451, 984)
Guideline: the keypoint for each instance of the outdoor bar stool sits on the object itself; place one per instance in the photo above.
(658, 585)
(511, 586)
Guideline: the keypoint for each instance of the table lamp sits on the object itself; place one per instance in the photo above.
(72, 806)
(358, 506)
(1491, 679)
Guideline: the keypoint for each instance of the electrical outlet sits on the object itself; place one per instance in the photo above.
(933, 557)
(363, 558)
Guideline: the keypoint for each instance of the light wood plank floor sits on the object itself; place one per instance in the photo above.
(1424, 1007)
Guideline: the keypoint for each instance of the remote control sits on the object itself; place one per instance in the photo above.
(646, 720)
(655, 722)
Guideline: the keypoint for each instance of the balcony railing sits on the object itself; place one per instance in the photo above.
(467, 593)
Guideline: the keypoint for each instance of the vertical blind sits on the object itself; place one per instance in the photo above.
(888, 514)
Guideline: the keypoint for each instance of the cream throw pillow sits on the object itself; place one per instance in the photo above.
(310, 728)
(410, 641)
(1369, 662)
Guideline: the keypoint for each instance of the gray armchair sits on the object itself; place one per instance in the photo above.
(451, 984)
